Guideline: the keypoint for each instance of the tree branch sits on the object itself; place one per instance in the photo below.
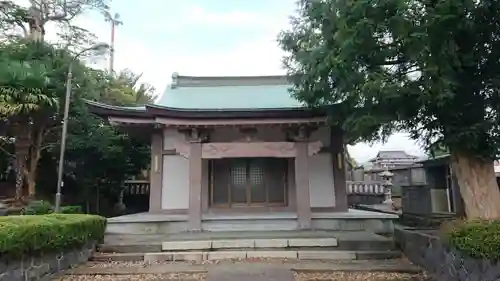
(10, 155)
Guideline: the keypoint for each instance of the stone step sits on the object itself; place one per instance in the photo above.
(249, 244)
(199, 256)
(345, 241)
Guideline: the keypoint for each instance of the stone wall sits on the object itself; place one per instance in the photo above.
(416, 199)
(424, 248)
(365, 199)
(43, 267)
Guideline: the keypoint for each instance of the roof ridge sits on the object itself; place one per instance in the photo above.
(228, 77)
(179, 81)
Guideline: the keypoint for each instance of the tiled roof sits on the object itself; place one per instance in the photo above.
(392, 154)
(213, 93)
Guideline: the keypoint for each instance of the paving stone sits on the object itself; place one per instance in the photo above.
(118, 257)
(380, 255)
(221, 255)
(313, 242)
(250, 273)
(186, 245)
(153, 257)
(326, 255)
(272, 254)
(271, 243)
(189, 256)
(234, 243)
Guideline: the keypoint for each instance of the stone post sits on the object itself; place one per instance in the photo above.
(195, 180)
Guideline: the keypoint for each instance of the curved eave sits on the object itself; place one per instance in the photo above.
(161, 111)
(105, 110)
(150, 112)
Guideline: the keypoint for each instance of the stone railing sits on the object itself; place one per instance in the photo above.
(135, 187)
(365, 187)
(42, 267)
(365, 192)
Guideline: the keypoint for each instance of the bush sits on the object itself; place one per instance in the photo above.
(38, 208)
(35, 234)
(44, 208)
(478, 239)
(71, 210)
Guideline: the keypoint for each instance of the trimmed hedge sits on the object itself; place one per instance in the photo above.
(478, 239)
(71, 210)
(40, 234)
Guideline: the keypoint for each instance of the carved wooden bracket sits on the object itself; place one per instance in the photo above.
(300, 134)
(195, 135)
(248, 149)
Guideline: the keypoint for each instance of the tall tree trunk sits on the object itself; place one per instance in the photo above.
(21, 146)
(34, 157)
(30, 173)
(478, 186)
(36, 29)
(21, 152)
(20, 163)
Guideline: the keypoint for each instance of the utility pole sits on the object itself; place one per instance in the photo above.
(115, 21)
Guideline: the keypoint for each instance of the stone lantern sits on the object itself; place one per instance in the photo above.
(386, 176)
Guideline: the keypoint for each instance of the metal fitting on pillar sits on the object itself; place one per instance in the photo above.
(387, 176)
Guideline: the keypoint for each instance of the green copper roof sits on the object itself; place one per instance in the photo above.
(229, 97)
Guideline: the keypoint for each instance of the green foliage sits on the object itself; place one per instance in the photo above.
(430, 68)
(71, 210)
(44, 208)
(48, 233)
(26, 78)
(437, 150)
(38, 208)
(32, 89)
(478, 239)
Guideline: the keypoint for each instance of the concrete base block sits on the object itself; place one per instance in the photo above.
(222, 255)
(186, 245)
(326, 255)
(233, 244)
(271, 243)
(313, 242)
(153, 257)
(189, 256)
(272, 254)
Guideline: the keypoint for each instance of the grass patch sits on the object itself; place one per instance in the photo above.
(478, 239)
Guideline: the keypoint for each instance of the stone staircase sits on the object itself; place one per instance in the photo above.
(293, 245)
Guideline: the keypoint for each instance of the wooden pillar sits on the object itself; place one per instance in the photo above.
(195, 185)
(155, 176)
(339, 172)
(302, 185)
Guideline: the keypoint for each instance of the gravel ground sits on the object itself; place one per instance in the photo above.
(141, 277)
(359, 276)
(336, 276)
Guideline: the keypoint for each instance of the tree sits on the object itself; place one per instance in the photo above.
(437, 150)
(143, 93)
(100, 156)
(30, 22)
(427, 67)
(28, 101)
(25, 28)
